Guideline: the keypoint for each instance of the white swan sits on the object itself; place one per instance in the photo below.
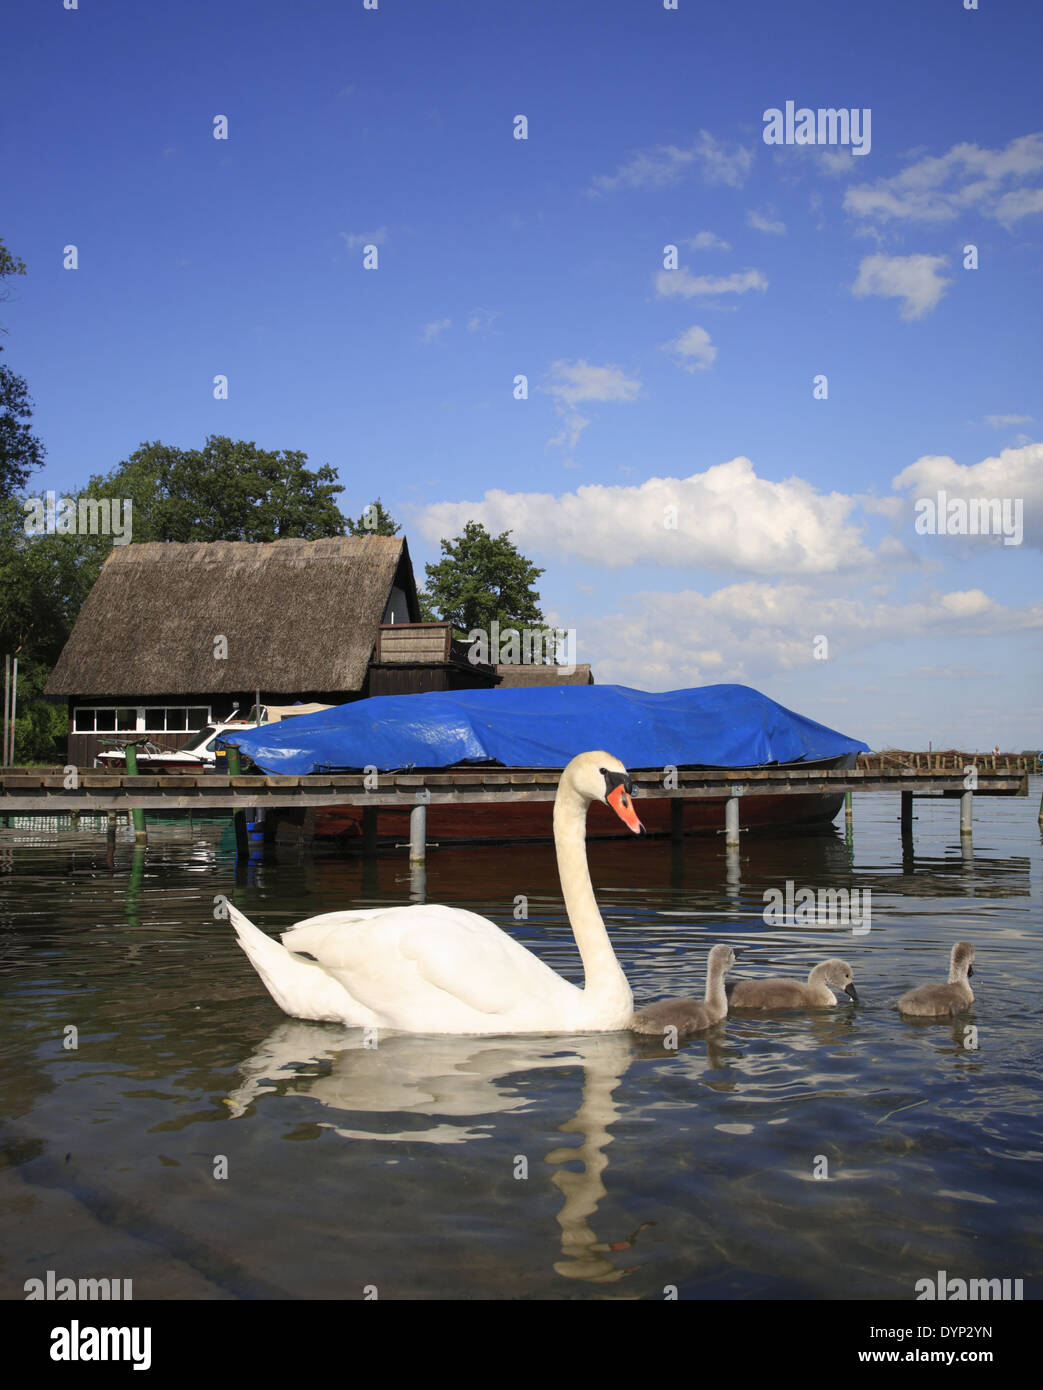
(431, 969)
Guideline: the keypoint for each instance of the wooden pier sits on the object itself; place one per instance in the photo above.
(61, 791)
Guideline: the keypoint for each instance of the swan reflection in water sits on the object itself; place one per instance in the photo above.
(452, 1078)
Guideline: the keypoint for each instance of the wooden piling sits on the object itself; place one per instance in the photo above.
(907, 813)
(242, 837)
(418, 834)
(731, 820)
(677, 820)
(966, 812)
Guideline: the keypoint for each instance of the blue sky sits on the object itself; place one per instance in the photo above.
(649, 389)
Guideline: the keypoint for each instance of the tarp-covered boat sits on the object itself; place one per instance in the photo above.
(717, 726)
(712, 726)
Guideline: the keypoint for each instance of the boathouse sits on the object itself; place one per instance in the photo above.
(173, 636)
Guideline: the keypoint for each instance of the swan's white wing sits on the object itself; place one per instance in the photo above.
(428, 966)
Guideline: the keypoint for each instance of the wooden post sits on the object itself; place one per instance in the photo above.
(242, 837)
(907, 814)
(14, 709)
(418, 833)
(369, 831)
(7, 711)
(676, 820)
(966, 811)
(137, 816)
(110, 840)
(731, 821)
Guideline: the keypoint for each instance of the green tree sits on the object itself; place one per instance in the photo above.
(20, 450)
(374, 521)
(224, 491)
(43, 582)
(227, 491)
(481, 577)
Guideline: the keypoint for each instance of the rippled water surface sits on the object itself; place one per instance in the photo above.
(556, 1167)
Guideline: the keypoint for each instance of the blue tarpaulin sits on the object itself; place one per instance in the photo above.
(711, 726)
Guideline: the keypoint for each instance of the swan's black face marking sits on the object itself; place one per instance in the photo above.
(617, 779)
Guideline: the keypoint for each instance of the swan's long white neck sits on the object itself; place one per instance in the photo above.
(716, 994)
(604, 981)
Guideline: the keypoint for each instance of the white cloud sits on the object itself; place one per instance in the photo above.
(760, 223)
(707, 241)
(481, 320)
(695, 349)
(584, 381)
(664, 165)
(913, 279)
(670, 283)
(835, 162)
(721, 163)
(1000, 422)
(435, 329)
(353, 239)
(747, 632)
(1013, 473)
(1023, 202)
(726, 518)
(939, 188)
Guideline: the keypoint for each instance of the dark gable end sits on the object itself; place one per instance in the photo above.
(297, 615)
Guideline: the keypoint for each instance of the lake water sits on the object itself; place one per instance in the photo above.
(566, 1167)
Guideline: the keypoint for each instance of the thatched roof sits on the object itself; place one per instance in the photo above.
(298, 615)
(518, 675)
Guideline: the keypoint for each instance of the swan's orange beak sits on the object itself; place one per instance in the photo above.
(623, 806)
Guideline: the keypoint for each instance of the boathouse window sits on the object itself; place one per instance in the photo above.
(137, 719)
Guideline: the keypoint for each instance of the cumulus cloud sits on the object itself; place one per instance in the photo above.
(747, 632)
(940, 188)
(726, 518)
(915, 280)
(1001, 422)
(760, 223)
(1013, 473)
(579, 382)
(671, 283)
(694, 349)
(434, 329)
(664, 165)
(707, 241)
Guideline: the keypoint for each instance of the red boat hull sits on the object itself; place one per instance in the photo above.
(532, 820)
